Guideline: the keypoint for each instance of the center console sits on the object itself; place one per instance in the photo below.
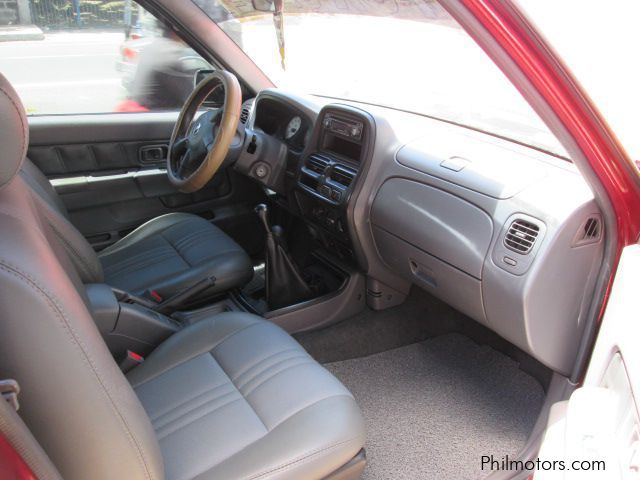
(327, 174)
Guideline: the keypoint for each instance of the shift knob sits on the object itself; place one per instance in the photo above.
(263, 213)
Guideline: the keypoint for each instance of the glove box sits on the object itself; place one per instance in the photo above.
(434, 239)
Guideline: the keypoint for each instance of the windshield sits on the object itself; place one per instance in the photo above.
(404, 55)
(598, 50)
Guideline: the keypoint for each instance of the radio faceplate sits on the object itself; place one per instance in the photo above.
(350, 129)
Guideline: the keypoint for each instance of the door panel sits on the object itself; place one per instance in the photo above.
(110, 172)
(100, 128)
(61, 160)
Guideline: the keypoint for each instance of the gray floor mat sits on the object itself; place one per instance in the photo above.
(421, 316)
(432, 409)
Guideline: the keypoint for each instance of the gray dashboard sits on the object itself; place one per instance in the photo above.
(508, 235)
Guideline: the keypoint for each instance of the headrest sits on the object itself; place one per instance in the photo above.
(14, 132)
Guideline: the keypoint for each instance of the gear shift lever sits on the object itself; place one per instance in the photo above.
(284, 283)
(263, 214)
(278, 232)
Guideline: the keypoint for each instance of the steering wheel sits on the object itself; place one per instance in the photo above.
(198, 148)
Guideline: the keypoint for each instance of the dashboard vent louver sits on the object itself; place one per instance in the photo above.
(244, 115)
(591, 229)
(246, 110)
(343, 175)
(317, 164)
(589, 232)
(521, 236)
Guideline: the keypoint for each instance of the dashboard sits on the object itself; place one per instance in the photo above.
(493, 228)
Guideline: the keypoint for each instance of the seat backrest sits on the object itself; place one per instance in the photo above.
(51, 208)
(74, 398)
(42, 186)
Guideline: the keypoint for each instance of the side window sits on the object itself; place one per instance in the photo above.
(93, 56)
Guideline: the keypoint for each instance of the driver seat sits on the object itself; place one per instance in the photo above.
(166, 255)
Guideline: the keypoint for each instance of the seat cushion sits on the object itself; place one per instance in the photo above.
(172, 252)
(235, 397)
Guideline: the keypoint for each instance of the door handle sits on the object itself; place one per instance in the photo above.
(153, 154)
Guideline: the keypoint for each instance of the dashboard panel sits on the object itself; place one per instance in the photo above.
(493, 228)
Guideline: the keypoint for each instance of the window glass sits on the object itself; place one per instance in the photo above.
(407, 55)
(93, 56)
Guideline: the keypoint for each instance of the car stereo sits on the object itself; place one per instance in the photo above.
(346, 128)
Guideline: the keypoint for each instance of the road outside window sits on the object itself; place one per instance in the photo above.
(93, 56)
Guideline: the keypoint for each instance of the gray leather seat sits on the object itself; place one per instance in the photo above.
(167, 254)
(230, 397)
(236, 397)
(172, 252)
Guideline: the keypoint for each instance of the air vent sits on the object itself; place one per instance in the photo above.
(246, 110)
(244, 115)
(589, 232)
(521, 236)
(317, 164)
(343, 175)
(591, 229)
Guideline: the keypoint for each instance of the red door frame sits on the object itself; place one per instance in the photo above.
(549, 76)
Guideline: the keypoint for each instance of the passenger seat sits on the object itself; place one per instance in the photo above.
(231, 397)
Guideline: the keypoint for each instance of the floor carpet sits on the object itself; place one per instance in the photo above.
(433, 408)
(421, 316)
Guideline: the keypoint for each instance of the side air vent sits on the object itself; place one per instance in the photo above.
(589, 232)
(521, 236)
(591, 229)
(246, 110)
(244, 115)
(343, 175)
(317, 164)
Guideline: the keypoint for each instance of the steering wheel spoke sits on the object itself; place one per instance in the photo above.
(183, 164)
(180, 146)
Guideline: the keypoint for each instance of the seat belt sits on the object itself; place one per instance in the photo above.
(9, 389)
(21, 456)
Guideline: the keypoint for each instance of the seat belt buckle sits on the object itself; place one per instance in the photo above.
(153, 295)
(9, 389)
(130, 361)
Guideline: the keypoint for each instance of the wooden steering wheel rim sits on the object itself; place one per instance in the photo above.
(226, 131)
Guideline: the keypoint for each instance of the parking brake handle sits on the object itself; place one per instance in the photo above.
(171, 304)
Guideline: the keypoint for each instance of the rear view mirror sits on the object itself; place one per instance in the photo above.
(200, 75)
(216, 99)
(263, 5)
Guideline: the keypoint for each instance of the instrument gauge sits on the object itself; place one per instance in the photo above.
(292, 127)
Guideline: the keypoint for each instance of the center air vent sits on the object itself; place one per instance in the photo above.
(343, 175)
(521, 236)
(317, 164)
